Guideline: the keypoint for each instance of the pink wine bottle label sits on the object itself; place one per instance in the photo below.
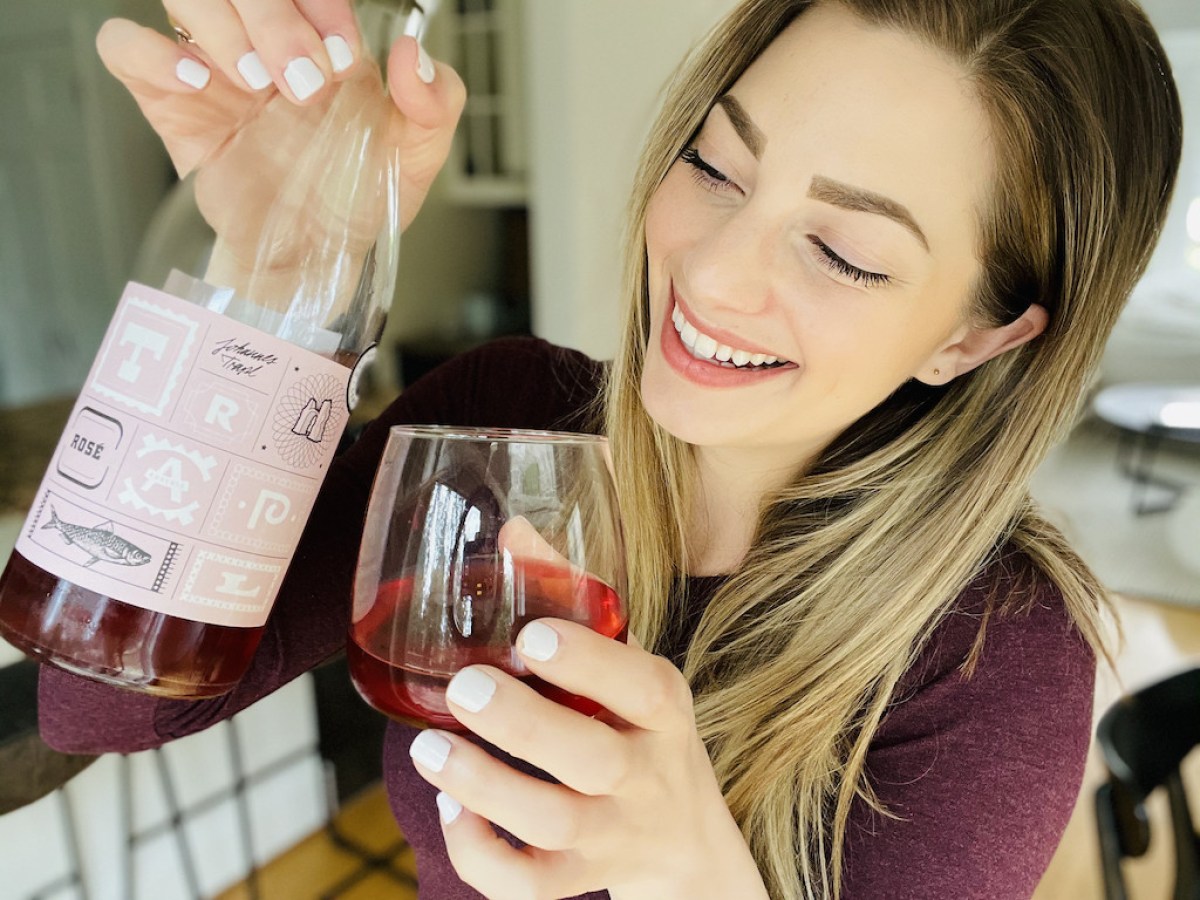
(189, 464)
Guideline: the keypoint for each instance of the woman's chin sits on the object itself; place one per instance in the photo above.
(682, 413)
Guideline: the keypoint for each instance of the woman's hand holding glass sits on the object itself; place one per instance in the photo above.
(489, 598)
(637, 809)
(471, 534)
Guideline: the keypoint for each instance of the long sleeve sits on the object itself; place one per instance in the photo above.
(309, 620)
(982, 772)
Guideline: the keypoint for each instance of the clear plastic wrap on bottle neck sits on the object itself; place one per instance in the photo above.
(304, 207)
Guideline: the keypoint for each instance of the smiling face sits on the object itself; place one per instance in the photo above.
(826, 216)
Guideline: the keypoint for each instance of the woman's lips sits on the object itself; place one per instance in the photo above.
(718, 334)
(704, 372)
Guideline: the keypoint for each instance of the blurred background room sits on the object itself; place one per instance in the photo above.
(521, 234)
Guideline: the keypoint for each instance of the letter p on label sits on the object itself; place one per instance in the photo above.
(271, 507)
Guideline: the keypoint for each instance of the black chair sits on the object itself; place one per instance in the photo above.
(1144, 738)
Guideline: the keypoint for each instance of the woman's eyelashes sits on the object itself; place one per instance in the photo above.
(707, 175)
(839, 265)
(712, 178)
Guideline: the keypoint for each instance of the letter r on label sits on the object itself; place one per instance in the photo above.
(220, 411)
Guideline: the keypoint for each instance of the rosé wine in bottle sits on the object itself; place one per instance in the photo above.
(173, 503)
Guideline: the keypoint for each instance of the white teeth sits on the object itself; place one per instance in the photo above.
(704, 347)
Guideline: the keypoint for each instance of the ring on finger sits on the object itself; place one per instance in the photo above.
(181, 34)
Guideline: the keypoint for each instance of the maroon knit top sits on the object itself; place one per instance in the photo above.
(983, 772)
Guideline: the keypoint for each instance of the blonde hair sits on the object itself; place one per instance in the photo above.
(793, 665)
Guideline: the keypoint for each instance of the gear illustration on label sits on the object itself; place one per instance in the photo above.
(309, 413)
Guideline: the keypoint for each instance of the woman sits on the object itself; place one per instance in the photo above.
(876, 249)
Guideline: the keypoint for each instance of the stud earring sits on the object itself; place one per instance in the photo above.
(937, 372)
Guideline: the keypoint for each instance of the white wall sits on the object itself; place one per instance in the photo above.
(80, 174)
(1173, 13)
(449, 252)
(1178, 252)
(1178, 21)
(594, 73)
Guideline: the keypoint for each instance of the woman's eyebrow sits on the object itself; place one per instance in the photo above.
(750, 133)
(855, 199)
(823, 189)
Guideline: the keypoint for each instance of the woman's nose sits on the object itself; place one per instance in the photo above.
(734, 265)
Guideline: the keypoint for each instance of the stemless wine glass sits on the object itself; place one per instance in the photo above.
(470, 534)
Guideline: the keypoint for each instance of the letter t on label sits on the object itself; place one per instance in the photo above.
(142, 338)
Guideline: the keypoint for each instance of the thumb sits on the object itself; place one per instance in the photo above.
(433, 106)
(134, 53)
(519, 538)
(429, 113)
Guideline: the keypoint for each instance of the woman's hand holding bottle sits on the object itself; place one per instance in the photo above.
(307, 183)
(197, 94)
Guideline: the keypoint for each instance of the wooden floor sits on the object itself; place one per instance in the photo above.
(317, 866)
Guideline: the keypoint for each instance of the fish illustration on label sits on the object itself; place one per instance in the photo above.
(100, 542)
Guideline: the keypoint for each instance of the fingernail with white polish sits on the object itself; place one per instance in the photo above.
(303, 77)
(471, 689)
(193, 73)
(339, 52)
(539, 641)
(448, 807)
(430, 749)
(252, 69)
(425, 69)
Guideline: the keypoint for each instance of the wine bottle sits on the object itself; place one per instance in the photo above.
(173, 503)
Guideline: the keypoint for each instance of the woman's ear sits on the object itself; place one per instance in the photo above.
(971, 347)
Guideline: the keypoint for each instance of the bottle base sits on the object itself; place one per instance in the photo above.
(125, 679)
(101, 638)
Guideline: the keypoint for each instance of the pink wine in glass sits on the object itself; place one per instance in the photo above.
(386, 666)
